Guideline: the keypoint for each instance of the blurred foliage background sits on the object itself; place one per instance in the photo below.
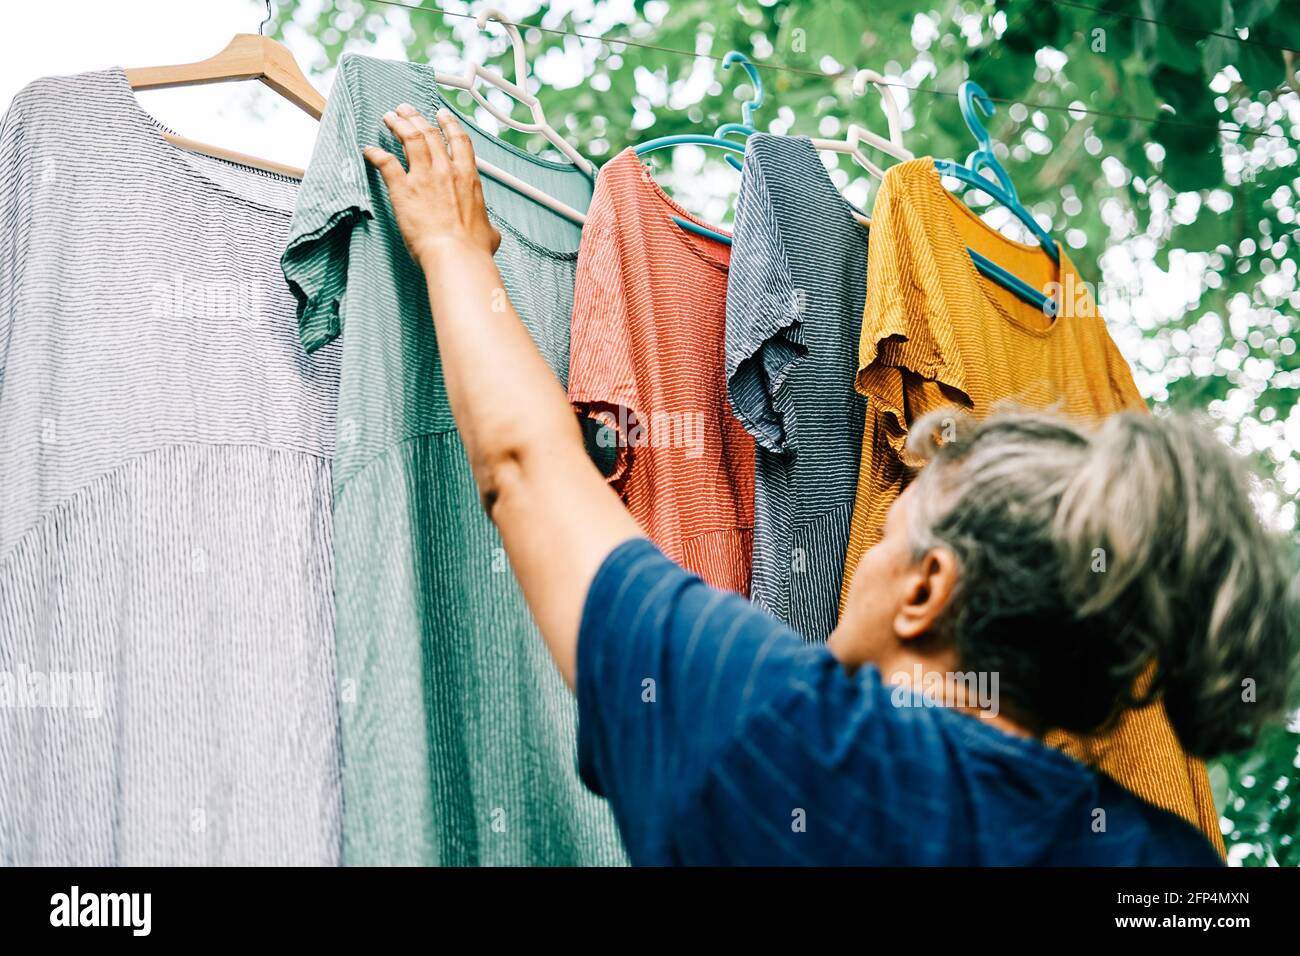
(1157, 139)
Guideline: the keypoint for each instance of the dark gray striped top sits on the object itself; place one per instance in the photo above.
(166, 617)
(794, 315)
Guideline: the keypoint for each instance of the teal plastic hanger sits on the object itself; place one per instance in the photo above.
(746, 125)
(717, 140)
(974, 100)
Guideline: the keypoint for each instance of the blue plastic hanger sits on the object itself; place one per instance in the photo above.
(746, 125)
(744, 128)
(974, 100)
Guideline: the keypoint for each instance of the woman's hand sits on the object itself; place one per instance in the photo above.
(557, 516)
(438, 199)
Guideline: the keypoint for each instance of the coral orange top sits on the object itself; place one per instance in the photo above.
(936, 333)
(647, 359)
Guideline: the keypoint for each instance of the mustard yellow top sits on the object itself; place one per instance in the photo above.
(936, 333)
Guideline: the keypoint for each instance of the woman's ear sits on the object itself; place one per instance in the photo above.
(928, 588)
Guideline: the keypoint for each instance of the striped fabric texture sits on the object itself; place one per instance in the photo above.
(458, 733)
(935, 333)
(166, 617)
(648, 358)
(795, 296)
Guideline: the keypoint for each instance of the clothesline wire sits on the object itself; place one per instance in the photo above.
(1074, 111)
(1199, 31)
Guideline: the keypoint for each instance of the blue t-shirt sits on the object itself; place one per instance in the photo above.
(719, 736)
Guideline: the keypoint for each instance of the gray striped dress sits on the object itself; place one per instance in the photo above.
(795, 294)
(166, 613)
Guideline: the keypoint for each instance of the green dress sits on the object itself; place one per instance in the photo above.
(458, 732)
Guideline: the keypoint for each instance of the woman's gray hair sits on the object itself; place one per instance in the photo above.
(1087, 555)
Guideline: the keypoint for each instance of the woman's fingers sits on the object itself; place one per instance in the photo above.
(418, 155)
(458, 144)
(409, 112)
(389, 166)
(448, 142)
(438, 160)
(439, 194)
(450, 149)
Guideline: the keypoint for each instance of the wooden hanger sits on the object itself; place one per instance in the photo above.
(249, 56)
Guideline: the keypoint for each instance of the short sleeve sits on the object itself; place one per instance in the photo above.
(764, 338)
(907, 309)
(602, 376)
(668, 671)
(333, 199)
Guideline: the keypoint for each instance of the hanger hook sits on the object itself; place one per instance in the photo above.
(974, 101)
(747, 108)
(262, 26)
(520, 56)
(892, 114)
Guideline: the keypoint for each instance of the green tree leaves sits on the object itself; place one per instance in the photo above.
(1260, 67)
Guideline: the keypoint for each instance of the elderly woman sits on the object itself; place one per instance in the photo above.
(1031, 571)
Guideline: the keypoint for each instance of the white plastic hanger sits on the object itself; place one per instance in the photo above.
(857, 135)
(475, 72)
